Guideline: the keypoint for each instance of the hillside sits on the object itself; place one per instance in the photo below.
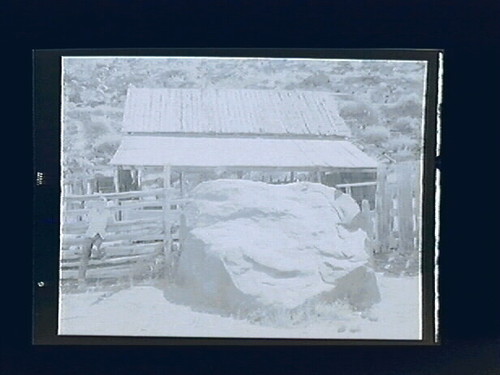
(381, 101)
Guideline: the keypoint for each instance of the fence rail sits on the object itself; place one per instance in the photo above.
(141, 233)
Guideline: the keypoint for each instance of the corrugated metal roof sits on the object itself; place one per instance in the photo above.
(245, 111)
(242, 152)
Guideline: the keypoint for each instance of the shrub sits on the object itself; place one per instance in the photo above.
(375, 135)
(407, 106)
(406, 124)
(106, 145)
(401, 142)
(359, 112)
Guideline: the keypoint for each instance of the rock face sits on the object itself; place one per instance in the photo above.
(253, 245)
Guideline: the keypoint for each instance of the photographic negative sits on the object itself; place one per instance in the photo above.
(243, 197)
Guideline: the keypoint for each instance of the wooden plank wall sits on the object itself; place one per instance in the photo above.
(397, 213)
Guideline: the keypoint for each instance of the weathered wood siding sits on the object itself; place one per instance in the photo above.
(398, 208)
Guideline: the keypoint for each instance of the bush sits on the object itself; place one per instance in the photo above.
(94, 130)
(406, 124)
(375, 135)
(404, 155)
(106, 145)
(360, 113)
(407, 106)
(402, 142)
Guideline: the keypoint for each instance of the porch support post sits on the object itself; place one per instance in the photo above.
(167, 174)
(318, 176)
(140, 177)
(115, 179)
(181, 183)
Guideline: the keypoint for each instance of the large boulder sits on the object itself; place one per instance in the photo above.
(255, 245)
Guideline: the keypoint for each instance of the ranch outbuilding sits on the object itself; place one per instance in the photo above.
(277, 136)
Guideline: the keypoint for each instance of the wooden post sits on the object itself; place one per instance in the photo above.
(367, 222)
(116, 181)
(140, 177)
(383, 210)
(84, 262)
(318, 177)
(88, 187)
(167, 236)
(167, 176)
(405, 208)
(181, 183)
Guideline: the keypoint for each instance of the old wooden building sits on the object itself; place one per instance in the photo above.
(184, 136)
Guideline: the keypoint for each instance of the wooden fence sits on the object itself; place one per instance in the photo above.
(146, 228)
(392, 221)
(396, 219)
(143, 232)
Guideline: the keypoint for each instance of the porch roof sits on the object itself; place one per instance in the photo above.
(240, 153)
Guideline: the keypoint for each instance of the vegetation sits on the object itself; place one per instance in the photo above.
(380, 101)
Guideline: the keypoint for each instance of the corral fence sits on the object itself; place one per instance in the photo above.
(398, 212)
(393, 227)
(394, 221)
(144, 231)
